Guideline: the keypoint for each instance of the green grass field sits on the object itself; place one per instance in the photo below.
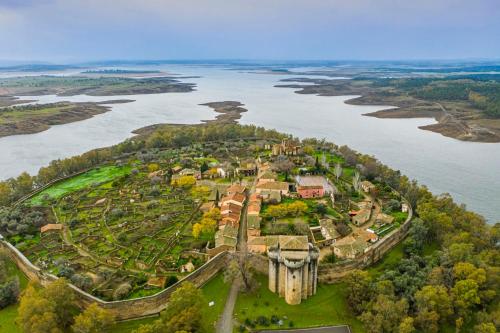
(8, 315)
(214, 290)
(79, 182)
(327, 307)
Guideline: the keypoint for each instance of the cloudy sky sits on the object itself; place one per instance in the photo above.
(80, 30)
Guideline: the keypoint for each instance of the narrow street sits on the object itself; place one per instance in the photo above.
(225, 323)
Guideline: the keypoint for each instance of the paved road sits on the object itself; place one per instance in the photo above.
(328, 329)
(225, 323)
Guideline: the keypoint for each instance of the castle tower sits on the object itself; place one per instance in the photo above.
(293, 268)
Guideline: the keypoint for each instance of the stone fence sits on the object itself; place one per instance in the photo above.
(124, 309)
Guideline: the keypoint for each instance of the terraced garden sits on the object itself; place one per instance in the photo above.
(127, 230)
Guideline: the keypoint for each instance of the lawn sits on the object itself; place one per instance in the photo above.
(388, 261)
(130, 325)
(327, 307)
(394, 256)
(214, 290)
(8, 315)
(99, 175)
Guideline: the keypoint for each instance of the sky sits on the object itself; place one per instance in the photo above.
(88, 30)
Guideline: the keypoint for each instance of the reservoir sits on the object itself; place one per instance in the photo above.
(469, 171)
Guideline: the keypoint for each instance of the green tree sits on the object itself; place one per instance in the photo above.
(384, 314)
(93, 320)
(37, 314)
(465, 297)
(63, 298)
(406, 326)
(185, 310)
(485, 328)
(434, 298)
(358, 290)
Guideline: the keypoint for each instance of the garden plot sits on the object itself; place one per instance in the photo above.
(120, 233)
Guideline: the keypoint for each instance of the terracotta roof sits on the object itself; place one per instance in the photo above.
(254, 207)
(236, 188)
(238, 197)
(255, 197)
(230, 218)
(51, 227)
(233, 208)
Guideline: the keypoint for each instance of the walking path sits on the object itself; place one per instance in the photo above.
(225, 323)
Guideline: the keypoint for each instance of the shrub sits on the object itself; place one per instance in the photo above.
(9, 292)
(171, 280)
(263, 321)
(122, 291)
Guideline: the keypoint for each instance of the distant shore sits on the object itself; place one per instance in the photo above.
(30, 119)
(448, 120)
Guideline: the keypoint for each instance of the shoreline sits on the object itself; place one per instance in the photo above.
(404, 107)
(69, 112)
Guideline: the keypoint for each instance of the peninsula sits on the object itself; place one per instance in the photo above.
(34, 118)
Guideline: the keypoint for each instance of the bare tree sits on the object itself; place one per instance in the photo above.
(355, 181)
(338, 171)
(240, 270)
(283, 164)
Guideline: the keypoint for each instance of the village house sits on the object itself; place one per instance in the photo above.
(176, 169)
(286, 147)
(222, 172)
(267, 176)
(235, 188)
(51, 227)
(349, 247)
(253, 226)
(283, 188)
(325, 234)
(188, 172)
(230, 207)
(188, 267)
(156, 281)
(227, 236)
(361, 217)
(247, 169)
(405, 208)
(234, 198)
(313, 186)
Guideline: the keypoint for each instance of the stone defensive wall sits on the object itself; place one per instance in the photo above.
(124, 309)
(329, 273)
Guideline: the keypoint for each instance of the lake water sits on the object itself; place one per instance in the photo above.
(468, 171)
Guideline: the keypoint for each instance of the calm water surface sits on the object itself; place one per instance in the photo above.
(469, 171)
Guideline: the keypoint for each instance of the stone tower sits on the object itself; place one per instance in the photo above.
(293, 268)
